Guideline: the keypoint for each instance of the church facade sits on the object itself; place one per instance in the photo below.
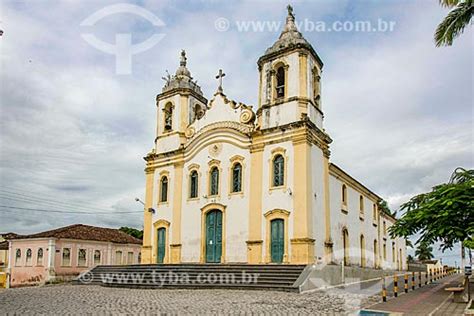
(225, 183)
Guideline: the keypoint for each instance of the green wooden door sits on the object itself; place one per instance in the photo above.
(214, 236)
(277, 240)
(161, 245)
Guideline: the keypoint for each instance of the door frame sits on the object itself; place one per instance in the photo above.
(204, 210)
(269, 216)
(161, 223)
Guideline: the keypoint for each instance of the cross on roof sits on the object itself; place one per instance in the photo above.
(219, 76)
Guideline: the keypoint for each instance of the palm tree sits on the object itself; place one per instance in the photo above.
(455, 22)
(424, 252)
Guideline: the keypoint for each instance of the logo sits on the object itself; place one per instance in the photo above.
(123, 48)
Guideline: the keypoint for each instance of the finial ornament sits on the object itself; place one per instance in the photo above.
(219, 76)
(183, 58)
(290, 11)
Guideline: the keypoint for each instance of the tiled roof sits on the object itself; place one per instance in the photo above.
(9, 235)
(4, 245)
(86, 232)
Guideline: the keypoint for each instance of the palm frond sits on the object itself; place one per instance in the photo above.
(454, 23)
(448, 3)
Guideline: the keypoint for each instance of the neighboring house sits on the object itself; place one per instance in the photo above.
(234, 183)
(4, 250)
(432, 265)
(61, 254)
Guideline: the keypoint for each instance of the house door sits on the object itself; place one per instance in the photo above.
(277, 240)
(161, 245)
(214, 236)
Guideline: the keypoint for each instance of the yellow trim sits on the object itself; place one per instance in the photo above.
(303, 82)
(254, 248)
(269, 216)
(177, 201)
(214, 163)
(278, 151)
(328, 249)
(204, 210)
(233, 161)
(184, 104)
(146, 248)
(161, 223)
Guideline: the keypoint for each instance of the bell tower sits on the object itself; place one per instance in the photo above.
(290, 80)
(178, 105)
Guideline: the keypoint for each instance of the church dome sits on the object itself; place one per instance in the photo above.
(290, 38)
(182, 78)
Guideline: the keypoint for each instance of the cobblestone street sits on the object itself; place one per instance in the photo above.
(70, 299)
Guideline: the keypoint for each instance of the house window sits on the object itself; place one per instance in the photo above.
(193, 179)
(214, 185)
(17, 257)
(29, 255)
(393, 252)
(362, 251)
(278, 171)
(39, 258)
(81, 258)
(66, 257)
(130, 257)
(280, 82)
(374, 212)
(344, 194)
(237, 178)
(164, 189)
(96, 257)
(384, 228)
(361, 204)
(139, 257)
(118, 257)
(168, 117)
(384, 251)
(316, 86)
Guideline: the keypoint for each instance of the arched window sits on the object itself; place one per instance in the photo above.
(39, 258)
(374, 212)
(280, 82)
(361, 204)
(214, 183)
(393, 252)
(96, 257)
(29, 255)
(17, 257)
(345, 245)
(193, 184)
(278, 171)
(237, 178)
(362, 251)
(164, 189)
(316, 86)
(344, 194)
(168, 117)
(384, 251)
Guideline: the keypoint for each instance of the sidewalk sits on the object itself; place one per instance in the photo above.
(431, 299)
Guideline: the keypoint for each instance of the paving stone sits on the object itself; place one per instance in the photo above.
(68, 299)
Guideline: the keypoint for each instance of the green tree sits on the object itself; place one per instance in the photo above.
(424, 252)
(455, 22)
(410, 259)
(445, 214)
(132, 232)
(383, 206)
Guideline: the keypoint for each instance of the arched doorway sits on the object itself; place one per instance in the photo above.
(345, 245)
(277, 240)
(213, 236)
(362, 251)
(161, 245)
(376, 250)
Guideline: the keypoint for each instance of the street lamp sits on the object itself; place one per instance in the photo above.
(150, 209)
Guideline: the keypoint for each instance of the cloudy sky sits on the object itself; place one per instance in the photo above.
(73, 131)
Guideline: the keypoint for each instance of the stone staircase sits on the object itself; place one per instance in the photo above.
(279, 277)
